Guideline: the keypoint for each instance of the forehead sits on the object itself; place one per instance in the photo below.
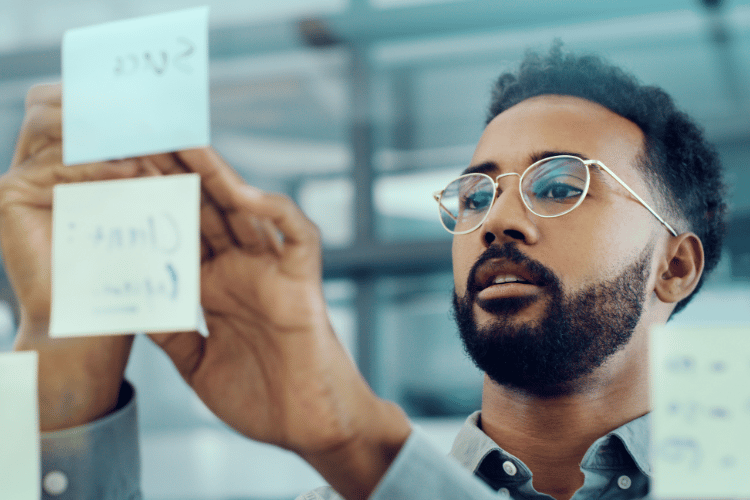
(558, 123)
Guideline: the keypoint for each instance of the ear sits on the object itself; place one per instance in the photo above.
(681, 268)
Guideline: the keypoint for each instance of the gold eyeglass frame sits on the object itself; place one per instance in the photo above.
(438, 195)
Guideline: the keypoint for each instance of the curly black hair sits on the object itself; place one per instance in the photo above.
(683, 169)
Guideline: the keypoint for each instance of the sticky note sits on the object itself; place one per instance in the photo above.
(20, 468)
(135, 87)
(126, 256)
(701, 412)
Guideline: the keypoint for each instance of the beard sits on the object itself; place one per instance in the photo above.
(576, 334)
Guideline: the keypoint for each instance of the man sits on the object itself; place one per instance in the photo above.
(599, 215)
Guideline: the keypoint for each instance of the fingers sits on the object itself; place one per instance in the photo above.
(40, 142)
(218, 178)
(185, 349)
(36, 185)
(216, 233)
(253, 233)
(44, 93)
(285, 215)
(44, 179)
(222, 225)
(235, 214)
(41, 127)
(110, 170)
(50, 155)
(166, 163)
(215, 229)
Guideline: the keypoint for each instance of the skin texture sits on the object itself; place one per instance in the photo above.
(273, 369)
(549, 357)
(594, 243)
(70, 393)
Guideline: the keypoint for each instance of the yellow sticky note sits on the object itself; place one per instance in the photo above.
(126, 256)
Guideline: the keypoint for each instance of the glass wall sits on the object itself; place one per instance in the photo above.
(360, 122)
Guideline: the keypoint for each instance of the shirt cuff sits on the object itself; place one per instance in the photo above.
(421, 472)
(99, 460)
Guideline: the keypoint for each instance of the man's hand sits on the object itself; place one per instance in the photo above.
(79, 378)
(272, 367)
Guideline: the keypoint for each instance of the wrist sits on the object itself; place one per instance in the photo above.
(75, 385)
(355, 468)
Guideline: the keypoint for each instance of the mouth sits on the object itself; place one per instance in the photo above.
(500, 279)
(508, 278)
(507, 290)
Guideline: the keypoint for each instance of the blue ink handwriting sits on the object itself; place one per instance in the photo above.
(156, 233)
(163, 283)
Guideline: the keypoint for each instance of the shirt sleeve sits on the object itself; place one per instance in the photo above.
(421, 472)
(101, 461)
(96, 461)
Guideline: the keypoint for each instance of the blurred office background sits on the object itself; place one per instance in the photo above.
(360, 110)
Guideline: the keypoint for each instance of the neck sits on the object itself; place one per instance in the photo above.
(551, 435)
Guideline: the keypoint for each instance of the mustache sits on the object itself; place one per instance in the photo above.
(539, 274)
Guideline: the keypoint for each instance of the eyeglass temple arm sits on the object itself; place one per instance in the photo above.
(622, 183)
(437, 195)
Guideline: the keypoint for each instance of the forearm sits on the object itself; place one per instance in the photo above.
(77, 384)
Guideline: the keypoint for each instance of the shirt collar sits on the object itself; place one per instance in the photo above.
(636, 436)
(472, 446)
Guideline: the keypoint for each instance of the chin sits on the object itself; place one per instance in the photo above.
(506, 306)
(511, 311)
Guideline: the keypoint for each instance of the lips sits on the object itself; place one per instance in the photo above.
(508, 278)
(500, 272)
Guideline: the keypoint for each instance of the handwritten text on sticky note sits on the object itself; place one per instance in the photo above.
(136, 87)
(19, 426)
(125, 256)
(701, 412)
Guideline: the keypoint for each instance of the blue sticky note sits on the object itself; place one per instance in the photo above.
(136, 87)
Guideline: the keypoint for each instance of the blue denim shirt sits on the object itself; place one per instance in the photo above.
(101, 461)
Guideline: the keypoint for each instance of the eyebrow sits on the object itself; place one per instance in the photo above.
(491, 166)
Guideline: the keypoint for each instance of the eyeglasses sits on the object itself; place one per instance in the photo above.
(551, 187)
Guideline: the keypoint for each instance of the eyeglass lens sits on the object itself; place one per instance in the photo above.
(552, 187)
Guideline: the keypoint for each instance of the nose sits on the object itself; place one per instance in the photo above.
(509, 218)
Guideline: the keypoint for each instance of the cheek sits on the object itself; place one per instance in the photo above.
(463, 260)
(577, 249)
(610, 242)
(626, 232)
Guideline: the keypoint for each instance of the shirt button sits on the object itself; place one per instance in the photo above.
(55, 483)
(509, 468)
(504, 491)
(624, 482)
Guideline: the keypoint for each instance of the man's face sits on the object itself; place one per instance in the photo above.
(587, 272)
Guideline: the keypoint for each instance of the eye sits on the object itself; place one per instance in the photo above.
(558, 191)
(476, 200)
(564, 187)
